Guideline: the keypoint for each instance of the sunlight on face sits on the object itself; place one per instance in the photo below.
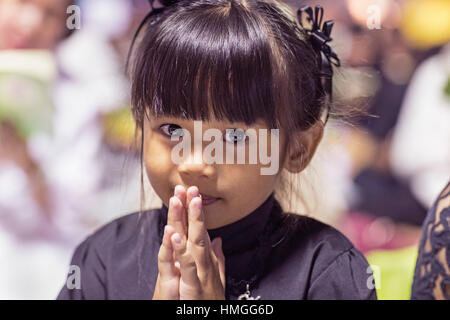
(235, 189)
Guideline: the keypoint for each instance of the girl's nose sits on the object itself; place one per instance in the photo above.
(196, 168)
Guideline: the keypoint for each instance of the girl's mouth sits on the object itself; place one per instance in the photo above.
(207, 200)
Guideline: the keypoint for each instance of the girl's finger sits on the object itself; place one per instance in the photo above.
(188, 268)
(174, 216)
(180, 193)
(168, 281)
(166, 265)
(217, 248)
(199, 242)
(191, 193)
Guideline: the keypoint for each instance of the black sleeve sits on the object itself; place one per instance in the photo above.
(86, 276)
(348, 277)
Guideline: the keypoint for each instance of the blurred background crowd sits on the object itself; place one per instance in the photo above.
(69, 162)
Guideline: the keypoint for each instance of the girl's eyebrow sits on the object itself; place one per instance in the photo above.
(218, 124)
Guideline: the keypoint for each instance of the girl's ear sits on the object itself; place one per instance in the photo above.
(302, 148)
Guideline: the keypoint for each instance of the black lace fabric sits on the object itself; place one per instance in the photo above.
(432, 273)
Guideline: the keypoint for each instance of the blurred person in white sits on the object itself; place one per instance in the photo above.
(91, 83)
(29, 31)
(51, 174)
(421, 141)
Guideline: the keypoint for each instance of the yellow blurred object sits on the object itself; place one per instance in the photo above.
(426, 23)
(393, 272)
(119, 128)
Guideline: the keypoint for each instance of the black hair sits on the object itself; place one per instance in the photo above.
(240, 60)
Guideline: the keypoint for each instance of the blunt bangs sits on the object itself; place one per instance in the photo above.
(224, 60)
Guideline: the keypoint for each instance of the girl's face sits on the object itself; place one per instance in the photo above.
(238, 189)
(32, 24)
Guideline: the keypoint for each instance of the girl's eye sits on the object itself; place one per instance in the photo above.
(234, 135)
(171, 130)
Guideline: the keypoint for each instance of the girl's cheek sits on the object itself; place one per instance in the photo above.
(246, 178)
(159, 169)
(157, 157)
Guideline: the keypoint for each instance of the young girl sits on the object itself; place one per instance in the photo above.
(234, 65)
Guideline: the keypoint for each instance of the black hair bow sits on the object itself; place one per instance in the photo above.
(157, 10)
(319, 36)
(165, 3)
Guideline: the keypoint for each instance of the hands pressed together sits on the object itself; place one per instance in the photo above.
(190, 266)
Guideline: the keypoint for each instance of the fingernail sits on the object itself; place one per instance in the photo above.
(195, 192)
(178, 189)
(173, 201)
(177, 238)
(199, 203)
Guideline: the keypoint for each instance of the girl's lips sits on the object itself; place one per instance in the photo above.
(207, 200)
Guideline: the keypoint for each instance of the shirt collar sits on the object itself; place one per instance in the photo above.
(243, 233)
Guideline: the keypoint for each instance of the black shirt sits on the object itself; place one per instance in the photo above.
(278, 255)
